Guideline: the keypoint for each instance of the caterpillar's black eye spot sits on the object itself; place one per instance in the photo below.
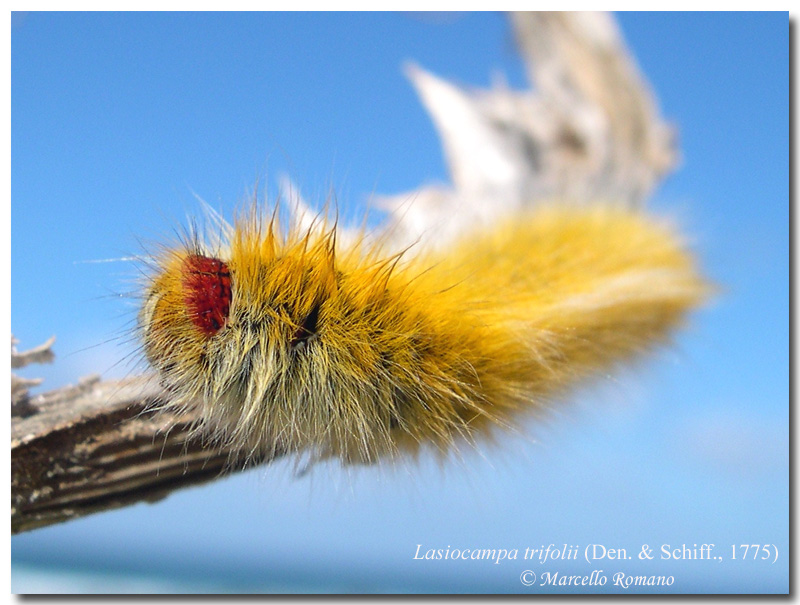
(307, 329)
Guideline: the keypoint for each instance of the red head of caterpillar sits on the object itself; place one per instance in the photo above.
(288, 341)
(207, 292)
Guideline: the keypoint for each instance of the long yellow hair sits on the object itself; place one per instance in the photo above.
(290, 341)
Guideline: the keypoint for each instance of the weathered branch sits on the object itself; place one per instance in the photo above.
(588, 130)
(97, 447)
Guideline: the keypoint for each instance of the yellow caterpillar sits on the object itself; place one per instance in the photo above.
(290, 341)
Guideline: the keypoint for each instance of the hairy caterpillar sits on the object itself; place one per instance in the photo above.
(290, 340)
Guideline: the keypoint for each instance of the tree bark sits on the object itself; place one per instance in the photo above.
(100, 446)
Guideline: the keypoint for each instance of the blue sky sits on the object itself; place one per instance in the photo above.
(118, 120)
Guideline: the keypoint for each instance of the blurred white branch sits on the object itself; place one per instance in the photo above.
(589, 130)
